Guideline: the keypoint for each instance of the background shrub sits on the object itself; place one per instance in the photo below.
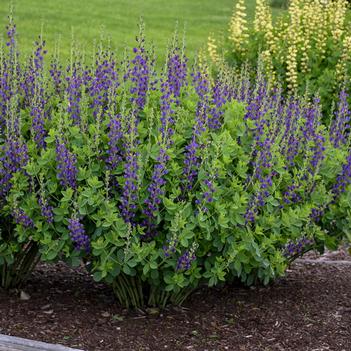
(307, 49)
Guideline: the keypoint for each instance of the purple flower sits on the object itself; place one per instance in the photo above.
(192, 150)
(78, 236)
(176, 71)
(316, 214)
(340, 126)
(291, 194)
(11, 33)
(155, 192)
(115, 136)
(240, 88)
(155, 188)
(343, 179)
(21, 218)
(317, 152)
(46, 210)
(263, 173)
(184, 261)
(251, 211)
(191, 163)
(167, 113)
(208, 194)
(103, 81)
(13, 158)
(170, 248)
(257, 103)
(208, 190)
(201, 83)
(38, 118)
(308, 139)
(74, 92)
(139, 75)
(130, 188)
(291, 138)
(66, 165)
(13, 65)
(5, 96)
(57, 76)
(296, 248)
(33, 73)
(220, 96)
(10, 73)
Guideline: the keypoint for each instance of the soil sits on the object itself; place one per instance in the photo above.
(309, 309)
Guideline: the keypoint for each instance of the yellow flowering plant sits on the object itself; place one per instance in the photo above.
(307, 47)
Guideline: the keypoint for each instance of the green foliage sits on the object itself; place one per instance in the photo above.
(227, 249)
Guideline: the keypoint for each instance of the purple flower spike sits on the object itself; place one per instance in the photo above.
(66, 165)
(73, 90)
(139, 75)
(14, 158)
(78, 236)
(33, 75)
(130, 191)
(192, 150)
(316, 214)
(340, 127)
(343, 179)
(46, 210)
(296, 248)
(38, 124)
(115, 136)
(103, 80)
(21, 218)
(176, 71)
(184, 261)
(170, 248)
(220, 96)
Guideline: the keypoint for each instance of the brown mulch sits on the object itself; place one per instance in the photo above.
(309, 310)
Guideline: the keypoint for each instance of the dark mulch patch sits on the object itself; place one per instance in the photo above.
(309, 309)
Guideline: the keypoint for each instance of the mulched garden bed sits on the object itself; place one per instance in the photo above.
(309, 309)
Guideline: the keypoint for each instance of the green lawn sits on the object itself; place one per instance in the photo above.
(119, 19)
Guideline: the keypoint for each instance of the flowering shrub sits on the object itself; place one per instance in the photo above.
(160, 182)
(308, 48)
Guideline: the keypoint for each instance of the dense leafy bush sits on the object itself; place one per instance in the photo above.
(309, 47)
(160, 182)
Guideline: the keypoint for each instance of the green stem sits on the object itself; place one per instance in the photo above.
(151, 300)
(116, 290)
(131, 291)
(24, 262)
(28, 264)
(125, 300)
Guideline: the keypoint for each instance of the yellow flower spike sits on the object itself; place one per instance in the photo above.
(291, 75)
(344, 60)
(295, 41)
(212, 49)
(337, 11)
(263, 23)
(261, 16)
(202, 62)
(266, 58)
(238, 31)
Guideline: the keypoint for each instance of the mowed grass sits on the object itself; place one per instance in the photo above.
(118, 19)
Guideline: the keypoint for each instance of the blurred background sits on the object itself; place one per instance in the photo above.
(119, 20)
